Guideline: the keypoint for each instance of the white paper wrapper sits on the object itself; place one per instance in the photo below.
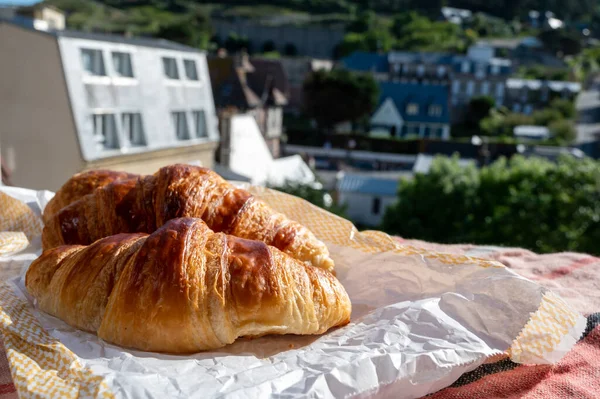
(419, 321)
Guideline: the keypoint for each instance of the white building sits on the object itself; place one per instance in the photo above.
(245, 152)
(366, 195)
(79, 100)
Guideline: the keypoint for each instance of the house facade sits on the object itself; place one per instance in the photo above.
(256, 86)
(297, 70)
(79, 101)
(367, 195)
(424, 68)
(479, 73)
(412, 110)
(245, 152)
(528, 95)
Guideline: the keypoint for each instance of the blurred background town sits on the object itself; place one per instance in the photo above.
(449, 121)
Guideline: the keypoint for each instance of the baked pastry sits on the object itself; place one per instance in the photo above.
(185, 289)
(146, 203)
(79, 185)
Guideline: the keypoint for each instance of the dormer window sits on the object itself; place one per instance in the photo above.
(170, 68)
(435, 110)
(93, 62)
(412, 109)
(465, 67)
(479, 71)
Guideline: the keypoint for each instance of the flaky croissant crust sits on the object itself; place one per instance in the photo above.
(143, 204)
(185, 289)
(79, 185)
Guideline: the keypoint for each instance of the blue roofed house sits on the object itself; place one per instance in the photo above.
(411, 109)
(362, 61)
(478, 73)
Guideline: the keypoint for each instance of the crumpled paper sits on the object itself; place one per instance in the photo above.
(420, 320)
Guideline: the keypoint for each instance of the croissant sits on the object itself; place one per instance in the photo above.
(79, 185)
(184, 289)
(146, 203)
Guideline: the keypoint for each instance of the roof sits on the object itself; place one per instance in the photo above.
(403, 94)
(505, 65)
(449, 12)
(136, 41)
(366, 62)
(270, 79)
(105, 37)
(229, 174)
(511, 43)
(534, 84)
(248, 83)
(421, 57)
(531, 131)
(365, 184)
(423, 163)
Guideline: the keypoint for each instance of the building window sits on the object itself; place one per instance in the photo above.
(170, 68)
(420, 70)
(180, 125)
(133, 129)
(456, 87)
(495, 69)
(190, 69)
(435, 110)
(544, 95)
(441, 71)
(93, 63)
(485, 88)
(527, 109)
(122, 64)
(105, 131)
(499, 89)
(412, 109)
(465, 67)
(480, 71)
(470, 88)
(376, 206)
(200, 123)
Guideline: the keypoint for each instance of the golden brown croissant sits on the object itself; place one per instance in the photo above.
(146, 203)
(185, 289)
(80, 185)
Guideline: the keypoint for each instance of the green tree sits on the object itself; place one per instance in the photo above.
(563, 131)
(565, 107)
(417, 32)
(363, 22)
(561, 42)
(479, 108)
(502, 123)
(268, 46)
(235, 43)
(546, 116)
(191, 29)
(531, 203)
(373, 41)
(331, 97)
(290, 50)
